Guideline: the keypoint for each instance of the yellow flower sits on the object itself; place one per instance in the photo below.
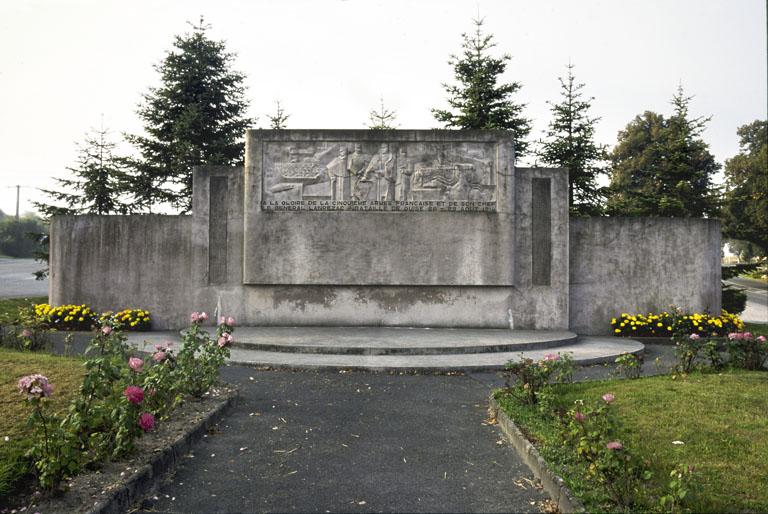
(618, 330)
(81, 319)
(659, 325)
(669, 328)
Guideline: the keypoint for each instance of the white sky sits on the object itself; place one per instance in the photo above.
(65, 63)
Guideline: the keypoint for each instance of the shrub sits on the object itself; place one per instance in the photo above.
(532, 377)
(25, 331)
(201, 356)
(629, 365)
(734, 299)
(747, 351)
(666, 324)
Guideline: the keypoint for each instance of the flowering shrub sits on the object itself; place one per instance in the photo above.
(692, 347)
(201, 356)
(122, 396)
(130, 320)
(747, 351)
(24, 331)
(629, 365)
(666, 323)
(66, 317)
(532, 377)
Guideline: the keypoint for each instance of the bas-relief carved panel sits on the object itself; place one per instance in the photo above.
(413, 176)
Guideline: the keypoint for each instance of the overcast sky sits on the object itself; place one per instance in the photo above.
(64, 63)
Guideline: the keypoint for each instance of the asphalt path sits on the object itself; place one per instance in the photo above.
(757, 299)
(17, 279)
(352, 442)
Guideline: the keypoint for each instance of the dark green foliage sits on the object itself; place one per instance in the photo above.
(734, 270)
(734, 299)
(662, 167)
(17, 238)
(478, 102)
(570, 144)
(196, 117)
(745, 209)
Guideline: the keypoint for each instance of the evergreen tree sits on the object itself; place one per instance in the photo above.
(745, 209)
(662, 167)
(570, 144)
(478, 101)
(196, 117)
(383, 119)
(278, 120)
(97, 185)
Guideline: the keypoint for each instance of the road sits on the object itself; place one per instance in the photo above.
(757, 299)
(17, 281)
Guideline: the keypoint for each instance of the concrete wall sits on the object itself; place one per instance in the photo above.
(638, 265)
(116, 262)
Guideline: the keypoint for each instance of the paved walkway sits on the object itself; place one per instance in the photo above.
(352, 442)
(17, 279)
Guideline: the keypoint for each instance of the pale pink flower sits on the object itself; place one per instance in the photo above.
(761, 339)
(106, 330)
(195, 317)
(551, 357)
(135, 364)
(608, 397)
(134, 394)
(222, 320)
(225, 339)
(35, 386)
(159, 356)
(26, 333)
(230, 321)
(614, 445)
(694, 337)
(203, 316)
(579, 416)
(146, 421)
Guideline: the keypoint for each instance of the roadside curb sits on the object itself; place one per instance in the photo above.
(147, 477)
(553, 484)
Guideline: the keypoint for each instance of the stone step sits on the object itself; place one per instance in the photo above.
(587, 350)
(395, 340)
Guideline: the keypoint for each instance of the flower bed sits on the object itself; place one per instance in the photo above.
(665, 324)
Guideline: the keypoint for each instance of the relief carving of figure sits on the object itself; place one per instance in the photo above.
(338, 175)
(404, 171)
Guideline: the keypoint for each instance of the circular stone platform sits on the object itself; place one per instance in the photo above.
(403, 349)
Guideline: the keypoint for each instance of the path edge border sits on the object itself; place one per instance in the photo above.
(553, 485)
(148, 476)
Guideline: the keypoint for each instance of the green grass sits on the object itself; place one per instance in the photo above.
(721, 418)
(9, 306)
(757, 329)
(65, 373)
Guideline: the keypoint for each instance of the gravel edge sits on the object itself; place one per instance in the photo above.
(552, 483)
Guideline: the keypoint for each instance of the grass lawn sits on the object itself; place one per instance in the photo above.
(65, 373)
(721, 418)
(757, 329)
(9, 306)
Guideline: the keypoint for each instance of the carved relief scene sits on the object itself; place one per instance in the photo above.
(331, 175)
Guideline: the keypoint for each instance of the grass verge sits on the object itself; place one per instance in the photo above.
(9, 306)
(722, 420)
(65, 373)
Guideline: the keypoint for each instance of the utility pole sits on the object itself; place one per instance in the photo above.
(18, 190)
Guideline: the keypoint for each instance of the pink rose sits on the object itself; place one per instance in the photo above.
(159, 356)
(608, 397)
(225, 339)
(134, 394)
(694, 337)
(203, 316)
(231, 321)
(146, 421)
(135, 364)
(222, 320)
(614, 445)
(551, 357)
(761, 339)
(194, 317)
(35, 386)
(26, 333)
(579, 416)
(106, 330)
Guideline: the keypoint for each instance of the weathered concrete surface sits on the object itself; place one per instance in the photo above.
(640, 265)
(115, 262)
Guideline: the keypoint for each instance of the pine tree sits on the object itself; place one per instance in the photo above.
(382, 119)
(662, 167)
(98, 181)
(196, 117)
(570, 144)
(745, 209)
(478, 101)
(278, 120)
